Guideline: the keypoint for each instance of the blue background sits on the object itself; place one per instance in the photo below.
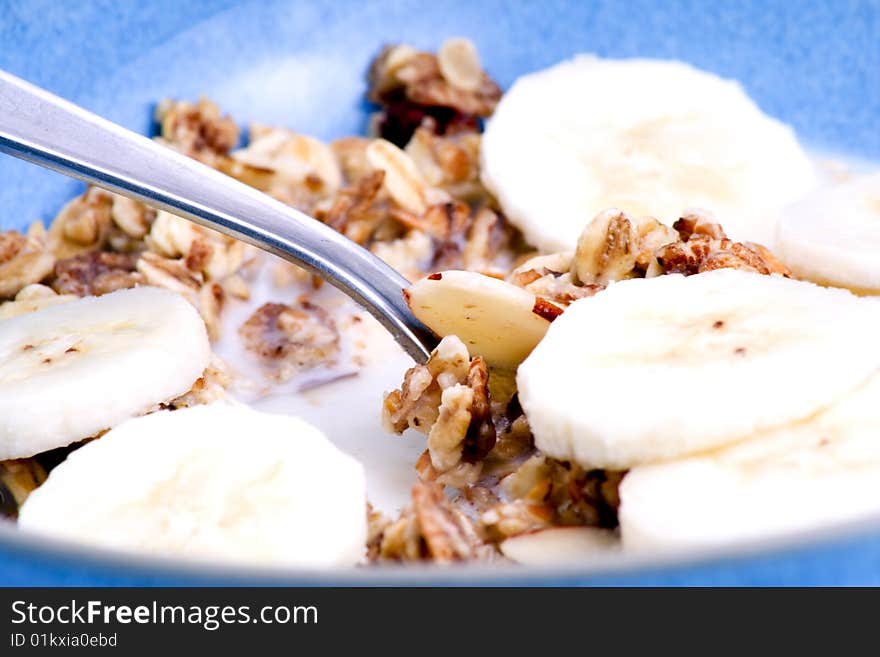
(813, 64)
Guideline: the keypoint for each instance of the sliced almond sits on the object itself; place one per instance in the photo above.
(493, 318)
(403, 181)
(460, 64)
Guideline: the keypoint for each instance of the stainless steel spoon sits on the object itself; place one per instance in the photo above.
(42, 128)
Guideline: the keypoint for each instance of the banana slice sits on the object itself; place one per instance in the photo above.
(221, 482)
(71, 370)
(647, 136)
(832, 236)
(652, 369)
(496, 320)
(807, 475)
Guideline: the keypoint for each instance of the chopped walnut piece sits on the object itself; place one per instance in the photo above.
(432, 529)
(196, 129)
(413, 85)
(83, 224)
(695, 224)
(448, 399)
(448, 534)
(448, 433)
(701, 253)
(24, 259)
(289, 339)
(358, 210)
(544, 491)
(18, 479)
(416, 404)
(401, 540)
(95, 273)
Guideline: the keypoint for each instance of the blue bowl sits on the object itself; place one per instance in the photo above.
(815, 65)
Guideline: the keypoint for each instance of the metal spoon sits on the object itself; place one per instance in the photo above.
(42, 128)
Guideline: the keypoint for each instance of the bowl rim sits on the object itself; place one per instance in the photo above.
(133, 565)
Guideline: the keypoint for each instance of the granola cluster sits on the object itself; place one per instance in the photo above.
(432, 528)
(198, 130)
(448, 399)
(449, 90)
(544, 492)
(24, 259)
(703, 246)
(481, 445)
(615, 246)
(290, 338)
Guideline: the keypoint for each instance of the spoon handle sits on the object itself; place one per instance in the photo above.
(42, 128)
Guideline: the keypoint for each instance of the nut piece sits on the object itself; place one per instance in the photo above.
(697, 222)
(358, 209)
(701, 253)
(543, 492)
(412, 88)
(431, 529)
(402, 181)
(82, 225)
(447, 398)
(289, 339)
(460, 64)
(24, 259)
(96, 273)
(416, 404)
(196, 129)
